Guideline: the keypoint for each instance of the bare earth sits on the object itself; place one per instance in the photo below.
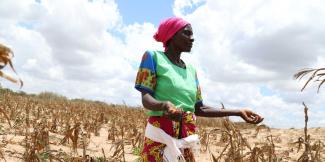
(283, 139)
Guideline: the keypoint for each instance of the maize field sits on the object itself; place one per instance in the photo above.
(50, 127)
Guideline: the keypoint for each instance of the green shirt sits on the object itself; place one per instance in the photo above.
(167, 82)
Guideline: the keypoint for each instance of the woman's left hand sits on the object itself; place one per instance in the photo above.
(250, 117)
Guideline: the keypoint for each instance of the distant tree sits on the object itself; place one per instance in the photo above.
(51, 95)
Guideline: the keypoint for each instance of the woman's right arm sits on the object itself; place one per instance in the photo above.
(151, 103)
(169, 109)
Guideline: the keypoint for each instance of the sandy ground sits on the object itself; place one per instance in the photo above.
(283, 140)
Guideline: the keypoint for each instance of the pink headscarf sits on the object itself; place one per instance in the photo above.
(168, 28)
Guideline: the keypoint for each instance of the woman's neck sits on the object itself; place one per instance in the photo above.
(173, 55)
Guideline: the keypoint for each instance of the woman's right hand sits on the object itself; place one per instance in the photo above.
(171, 111)
(250, 117)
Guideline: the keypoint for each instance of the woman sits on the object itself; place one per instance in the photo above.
(170, 91)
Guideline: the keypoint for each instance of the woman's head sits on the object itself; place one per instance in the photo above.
(183, 40)
(175, 31)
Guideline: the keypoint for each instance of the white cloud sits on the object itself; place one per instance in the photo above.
(180, 6)
(76, 48)
(68, 44)
(11, 10)
(83, 49)
(241, 46)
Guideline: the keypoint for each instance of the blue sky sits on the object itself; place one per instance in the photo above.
(141, 11)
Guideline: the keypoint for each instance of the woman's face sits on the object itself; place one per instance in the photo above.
(183, 39)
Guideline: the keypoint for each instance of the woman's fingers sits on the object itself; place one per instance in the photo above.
(255, 119)
(172, 112)
(251, 117)
(245, 114)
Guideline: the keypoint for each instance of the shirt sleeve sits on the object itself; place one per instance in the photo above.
(198, 92)
(146, 79)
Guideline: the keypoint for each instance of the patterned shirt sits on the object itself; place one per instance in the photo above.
(165, 81)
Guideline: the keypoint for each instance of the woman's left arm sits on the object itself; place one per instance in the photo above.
(207, 111)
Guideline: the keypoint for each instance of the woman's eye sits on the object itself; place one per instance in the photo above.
(187, 34)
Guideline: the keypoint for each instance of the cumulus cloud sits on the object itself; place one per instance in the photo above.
(283, 51)
(242, 46)
(73, 48)
(245, 51)
(77, 33)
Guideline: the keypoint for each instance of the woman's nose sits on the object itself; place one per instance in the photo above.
(191, 38)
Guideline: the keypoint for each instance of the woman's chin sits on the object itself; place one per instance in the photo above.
(188, 49)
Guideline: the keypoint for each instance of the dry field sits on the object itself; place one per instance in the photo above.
(49, 127)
